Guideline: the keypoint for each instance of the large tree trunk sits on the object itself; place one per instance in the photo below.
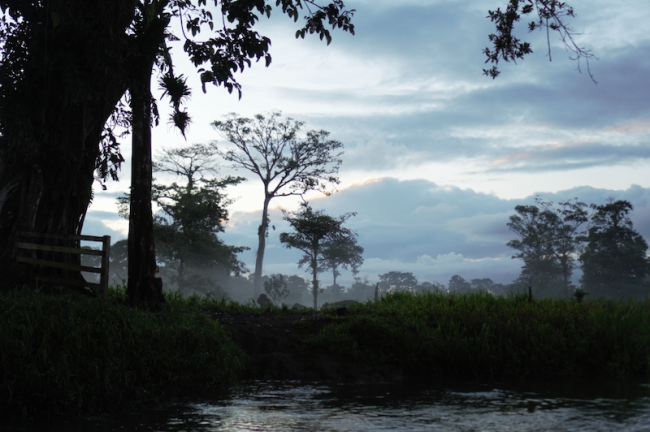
(261, 234)
(143, 285)
(53, 108)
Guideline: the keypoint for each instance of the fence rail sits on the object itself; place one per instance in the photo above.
(23, 243)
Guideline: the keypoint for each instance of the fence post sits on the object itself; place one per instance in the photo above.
(103, 281)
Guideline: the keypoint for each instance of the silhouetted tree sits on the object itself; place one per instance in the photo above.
(397, 281)
(459, 285)
(286, 163)
(193, 213)
(312, 229)
(615, 257)
(538, 232)
(362, 289)
(298, 287)
(276, 288)
(567, 237)
(482, 284)
(344, 253)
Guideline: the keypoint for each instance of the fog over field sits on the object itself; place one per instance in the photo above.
(437, 155)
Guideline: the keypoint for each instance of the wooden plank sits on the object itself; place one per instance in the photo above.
(34, 246)
(64, 281)
(61, 237)
(55, 264)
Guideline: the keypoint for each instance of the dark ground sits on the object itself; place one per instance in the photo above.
(271, 341)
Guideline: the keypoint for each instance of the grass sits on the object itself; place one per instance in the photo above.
(480, 336)
(68, 354)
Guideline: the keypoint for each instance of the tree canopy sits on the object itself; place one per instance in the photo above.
(286, 162)
(549, 15)
(192, 214)
(615, 258)
(397, 281)
(311, 230)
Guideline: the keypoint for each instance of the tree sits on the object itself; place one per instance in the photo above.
(482, 284)
(344, 253)
(276, 288)
(615, 256)
(61, 78)
(362, 289)
(459, 285)
(192, 214)
(397, 281)
(285, 163)
(313, 229)
(550, 239)
(298, 288)
(66, 65)
(571, 215)
(537, 231)
(551, 15)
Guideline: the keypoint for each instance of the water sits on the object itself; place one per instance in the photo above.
(293, 406)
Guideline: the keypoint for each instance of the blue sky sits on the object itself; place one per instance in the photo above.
(436, 154)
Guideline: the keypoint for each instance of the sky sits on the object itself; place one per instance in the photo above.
(437, 155)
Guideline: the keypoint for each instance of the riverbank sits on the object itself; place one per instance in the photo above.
(445, 336)
(68, 354)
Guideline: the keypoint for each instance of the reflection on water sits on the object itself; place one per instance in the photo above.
(294, 406)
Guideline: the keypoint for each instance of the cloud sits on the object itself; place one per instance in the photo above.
(101, 223)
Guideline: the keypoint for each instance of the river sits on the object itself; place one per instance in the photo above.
(578, 405)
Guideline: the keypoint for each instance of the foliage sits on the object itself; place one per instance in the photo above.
(274, 151)
(549, 239)
(312, 229)
(344, 253)
(459, 285)
(615, 257)
(286, 163)
(482, 336)
(551, 15)
(69, 354)
(536, 229)
(193, 214)
(397, 281)
(276, 288)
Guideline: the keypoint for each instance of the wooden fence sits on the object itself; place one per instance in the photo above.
(27, 241)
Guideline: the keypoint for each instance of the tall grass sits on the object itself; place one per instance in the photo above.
(67, 353)
(478, 335)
